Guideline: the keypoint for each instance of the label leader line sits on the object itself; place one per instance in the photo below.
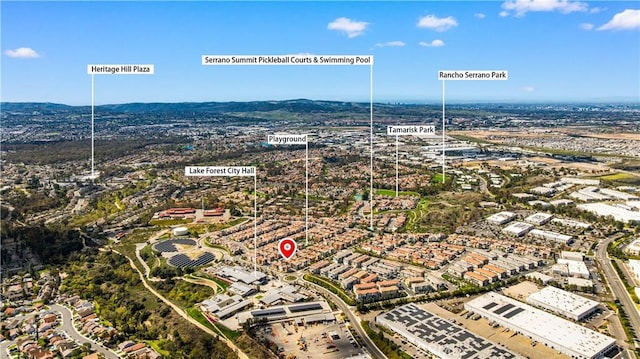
(110, 69)
(234, 171)
(457, 75)
(306, 60)
(294, 139)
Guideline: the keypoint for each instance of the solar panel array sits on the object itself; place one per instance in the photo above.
(169, 245)
(438, 334)
(182, 260)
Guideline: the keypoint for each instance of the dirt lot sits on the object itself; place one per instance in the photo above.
(522, 290)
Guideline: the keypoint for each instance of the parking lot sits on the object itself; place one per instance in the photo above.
(312, 341)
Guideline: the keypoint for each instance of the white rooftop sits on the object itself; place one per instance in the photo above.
(554, 329)
(559, 300)
(538, 218)
(618, 213)
(518, 228)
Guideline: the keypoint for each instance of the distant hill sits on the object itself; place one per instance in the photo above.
(36, 106)
(298, 105)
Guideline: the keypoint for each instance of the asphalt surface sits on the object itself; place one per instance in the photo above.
(183, 312)
(615, 283)
(67, 327)
(355, 322)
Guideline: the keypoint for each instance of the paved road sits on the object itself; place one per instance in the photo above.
(183, 313)
(615, 283)
(355, 322)
(67, 326)
(484, 186)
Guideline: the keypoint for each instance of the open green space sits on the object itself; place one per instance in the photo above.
(392, 193)
(333, 287)
(107, 280)
(437, 178)
(224, 285)
(169, 222)
(382, 341)
(415, 216)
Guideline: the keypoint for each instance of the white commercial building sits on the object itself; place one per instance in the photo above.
(539, 218)
(618, 195)
(517, 229)
(634, 265)
(633, 248)
(551, 236)
(564, 303)
(560, 334)
(543, 191)
(501, 218)
(439, 336)
(572, 256)
(570, 223)
(561, 202)
(580, 282)
(542, 277)
(590, 194)
(581, 181)
(618, 213)
(575, 268)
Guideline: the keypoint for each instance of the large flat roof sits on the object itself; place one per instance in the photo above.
(438, 335)
(556, 332)
(559, 300)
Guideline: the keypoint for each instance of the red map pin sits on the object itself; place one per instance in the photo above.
(287, 247)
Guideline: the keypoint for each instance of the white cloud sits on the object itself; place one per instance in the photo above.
(586, 26)
(503, 13)
(595, 10)
(479, 15)
(350, 27)
(390, 44)
(629, 19)
(434, 43)
(22, 52)
(521, 7)
(528, 89)
(436, 23)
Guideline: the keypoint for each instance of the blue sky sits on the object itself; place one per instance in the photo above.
(554, 50)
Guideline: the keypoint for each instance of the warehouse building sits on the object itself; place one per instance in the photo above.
(560, 334)
(572, 256)
(439, 336)
(551, 236)
(543, 191)
(517, 229)
(570, 223)
(539, 218)
(575, 268)
(618, 213)
(310, 312)
(564, 303)
(501, 218)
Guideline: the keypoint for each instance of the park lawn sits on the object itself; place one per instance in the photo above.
(392, 193)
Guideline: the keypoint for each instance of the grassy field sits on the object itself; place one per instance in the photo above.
(169, 222)
(414, 216)
(437, 178)
(620, 177)
(392, 193)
